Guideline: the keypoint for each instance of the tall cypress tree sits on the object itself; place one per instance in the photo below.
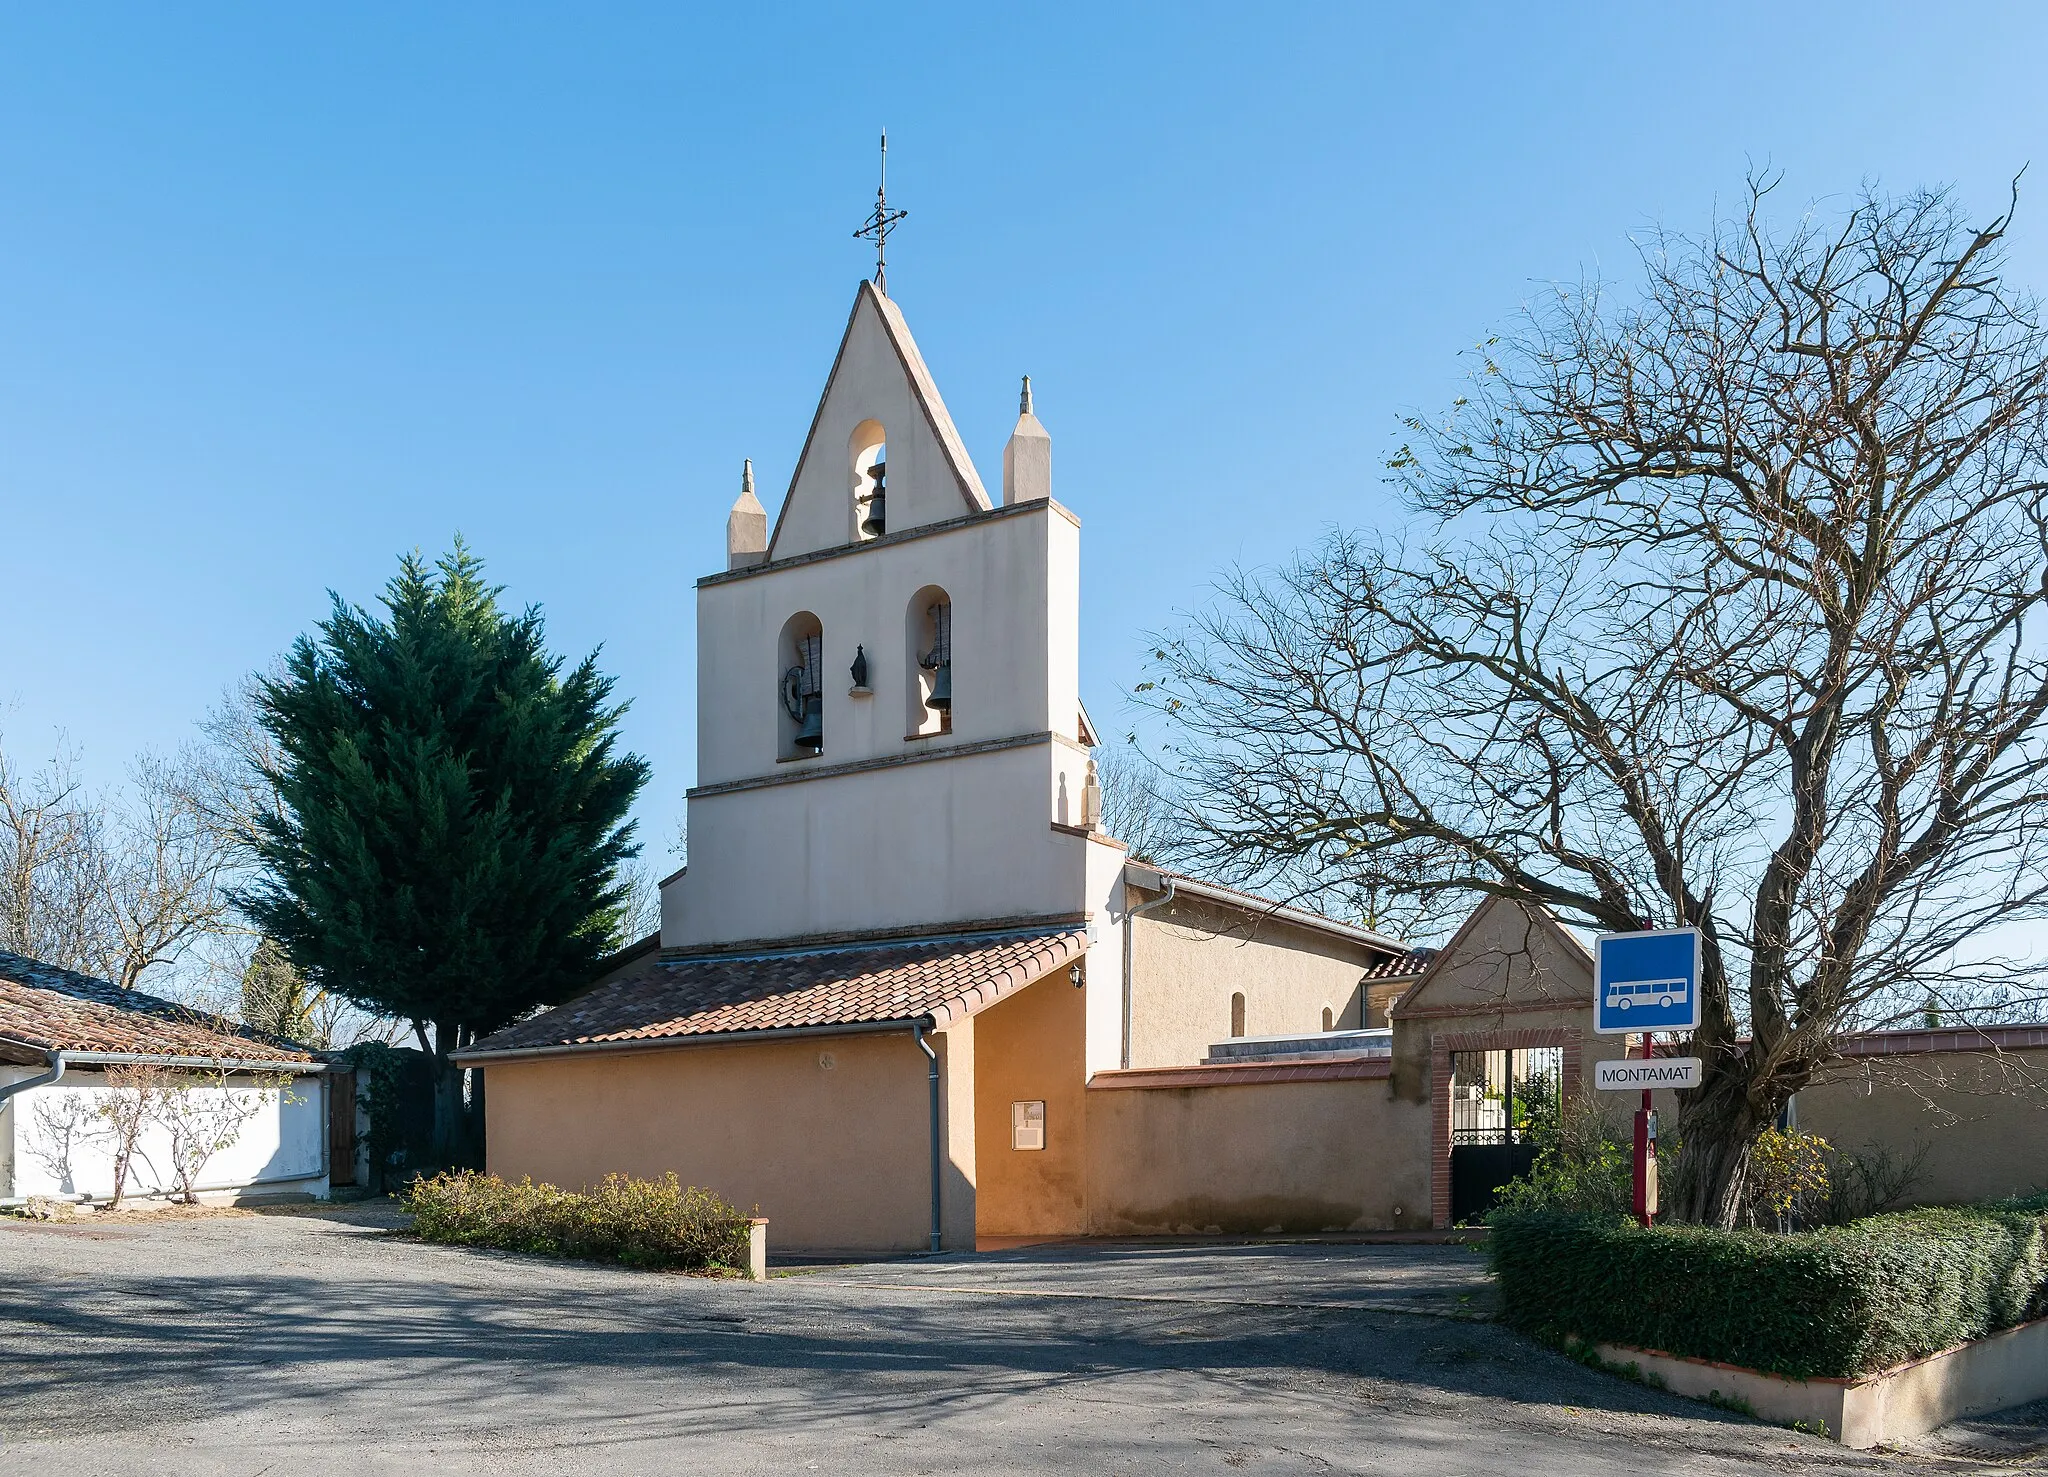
(454, 813)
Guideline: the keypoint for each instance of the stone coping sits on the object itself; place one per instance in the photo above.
(1248, 1074)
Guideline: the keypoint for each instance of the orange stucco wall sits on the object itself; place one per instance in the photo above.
(1030, 1048)
(1975, 1125)
(1274, 1157)
(826, 1135)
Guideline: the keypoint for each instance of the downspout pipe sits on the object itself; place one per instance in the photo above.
(917, 1030)
(1130, 954)
(55, 1074)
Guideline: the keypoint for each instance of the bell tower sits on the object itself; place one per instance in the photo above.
(889, 722)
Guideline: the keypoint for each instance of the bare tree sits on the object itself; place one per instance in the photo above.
(131, 1101)
(1138, 804)
(202, 1116)
(231, 778)
(108, 891)
(53, 867)
(164, 880)
(1730, 616)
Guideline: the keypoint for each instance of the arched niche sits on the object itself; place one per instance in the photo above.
(867, 459)
(928, 661)
(800, 687)
(1237, 1013)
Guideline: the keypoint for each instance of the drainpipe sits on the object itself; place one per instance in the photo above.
(1130, 944)
(931, 1077)
(55, 1074)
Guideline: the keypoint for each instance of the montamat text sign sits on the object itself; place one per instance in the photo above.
(1648, 981)
(1632, 1075)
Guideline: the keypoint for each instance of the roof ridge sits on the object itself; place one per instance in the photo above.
(863, 986)
(36, 974)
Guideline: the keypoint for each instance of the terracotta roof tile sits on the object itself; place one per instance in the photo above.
(60, 1010)
(1401, 966)
(944, 979)
(2022, 1037)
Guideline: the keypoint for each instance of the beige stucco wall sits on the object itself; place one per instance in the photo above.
(836, 1157)
(1030, 1050)
(1189, 958)
(1502, 971)
(1271, 1158)
(1983, 1123)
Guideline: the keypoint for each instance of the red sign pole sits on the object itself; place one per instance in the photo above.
(1646, 1152)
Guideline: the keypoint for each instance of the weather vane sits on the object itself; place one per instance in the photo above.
(882, 222)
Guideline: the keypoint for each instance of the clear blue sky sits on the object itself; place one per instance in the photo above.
(285, 291)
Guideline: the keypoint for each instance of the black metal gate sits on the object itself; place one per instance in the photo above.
(1498, 1100)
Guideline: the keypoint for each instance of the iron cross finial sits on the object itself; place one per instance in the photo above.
(881, 222)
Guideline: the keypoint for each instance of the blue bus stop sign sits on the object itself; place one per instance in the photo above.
(1647, 981)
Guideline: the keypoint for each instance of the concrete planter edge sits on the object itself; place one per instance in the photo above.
(1996, 1372)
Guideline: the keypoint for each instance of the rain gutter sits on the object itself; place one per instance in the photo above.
(217, 1063)
(56, 1060)
(917, 1031)
(474, 1058)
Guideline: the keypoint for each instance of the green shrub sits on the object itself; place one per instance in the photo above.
(1836, 1302)
(643, 1223)
(1581, 1165)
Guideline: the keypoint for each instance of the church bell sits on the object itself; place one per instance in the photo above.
(802, 698)
(939, 660)
(810, 733)
(876, 523)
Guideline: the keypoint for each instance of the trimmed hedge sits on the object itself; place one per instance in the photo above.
(1843, 1301)
(643, 1223)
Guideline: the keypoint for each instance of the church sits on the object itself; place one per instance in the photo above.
(903, 944)
(909, 995)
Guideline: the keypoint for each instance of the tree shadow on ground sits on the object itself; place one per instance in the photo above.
(655, 1358)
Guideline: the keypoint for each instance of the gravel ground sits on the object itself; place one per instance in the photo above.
(240, 1343)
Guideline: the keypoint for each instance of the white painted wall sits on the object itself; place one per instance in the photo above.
(872, 382)
(1104, 866)
(957, 840)
(281, 1147)
(1014, 583)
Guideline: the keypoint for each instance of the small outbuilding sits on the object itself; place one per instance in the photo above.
(62, 1033)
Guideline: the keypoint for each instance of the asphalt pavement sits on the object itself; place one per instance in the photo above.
(250, 1343)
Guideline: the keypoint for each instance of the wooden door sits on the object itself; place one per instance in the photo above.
(341, 1128)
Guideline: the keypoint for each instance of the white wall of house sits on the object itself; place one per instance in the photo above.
(281, 1148)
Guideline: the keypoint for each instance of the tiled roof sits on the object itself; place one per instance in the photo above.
(1401, 966)
(2023, 1037)
(943, 979)
(60, 1010)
